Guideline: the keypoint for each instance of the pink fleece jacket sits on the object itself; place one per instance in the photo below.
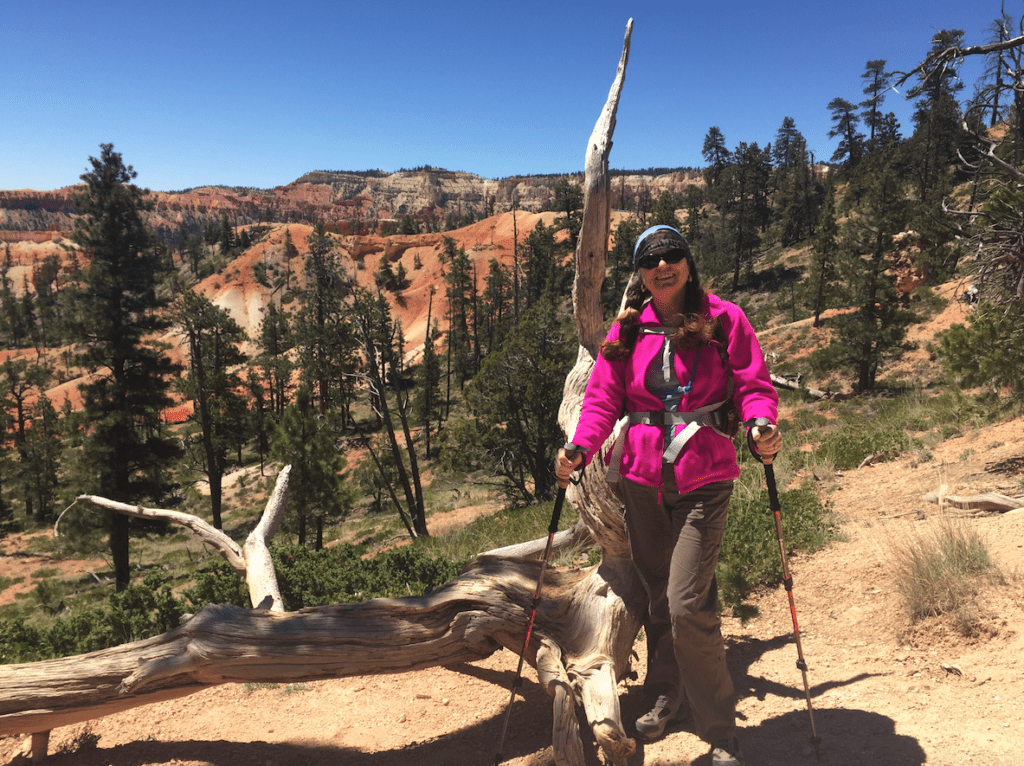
(618, 386)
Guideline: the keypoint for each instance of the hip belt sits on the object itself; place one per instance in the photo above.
(705, 416)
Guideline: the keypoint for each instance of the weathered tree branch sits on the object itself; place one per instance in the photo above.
(990, 154)
(592, 245)
(781, 382)
(251, 561)
(937, 62)
(983, 503)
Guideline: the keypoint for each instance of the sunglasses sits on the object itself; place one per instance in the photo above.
(652, 260)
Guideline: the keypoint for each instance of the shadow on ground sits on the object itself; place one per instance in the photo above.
(849, 737)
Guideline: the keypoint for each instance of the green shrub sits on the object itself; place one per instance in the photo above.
(142, 610)
(7, 582)
(340, 575)
(217, 584)
(20, 642)
(750, 549)
(988, 352)
(848, 447)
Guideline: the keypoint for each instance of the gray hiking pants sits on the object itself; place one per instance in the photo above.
(674, 544)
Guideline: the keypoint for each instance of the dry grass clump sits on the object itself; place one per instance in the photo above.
(942, 572)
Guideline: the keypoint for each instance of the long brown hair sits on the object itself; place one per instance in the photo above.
(692, 326)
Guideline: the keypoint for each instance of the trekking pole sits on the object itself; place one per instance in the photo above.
(773, 499)
(570, 450)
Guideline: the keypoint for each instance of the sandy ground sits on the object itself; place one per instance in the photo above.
(884, 692)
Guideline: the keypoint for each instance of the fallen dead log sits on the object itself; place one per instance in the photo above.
(794, 385)
(470, 618)
(878, 457)
(580, 651)
(988, 502)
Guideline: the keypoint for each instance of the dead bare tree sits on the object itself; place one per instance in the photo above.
(994, 228)
(585, 624)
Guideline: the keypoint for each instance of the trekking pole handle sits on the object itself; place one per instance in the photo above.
(756, 423)
(571, 450)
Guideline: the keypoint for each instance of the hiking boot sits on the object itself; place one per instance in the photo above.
(727, 753)
(651, 725)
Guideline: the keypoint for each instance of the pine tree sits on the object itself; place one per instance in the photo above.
(620, 263)
(513, 403)
(937, 133)
(194, 254)
(825, 252)
(746, 210)
(663, 212)
(382, 348)
(306, 441)
(694, 214)
(428, 404)
(6, 512)
(797, 196)
(844, 127)
(290, 252)
(718, 158)
(114, 312)
(384, 277)
(1000, 92)
(46, 288)
(459, 292)
(540, 263)
(874, 333)
(275, 340)
(226, 235)
(877, 84)
(19, 382)
(213, 339)
(12, 324)
(39, 460)
(498, 315)
(322, 330)
(568, 200)
(261, 416)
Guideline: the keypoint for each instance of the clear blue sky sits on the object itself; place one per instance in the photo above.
(257, 93)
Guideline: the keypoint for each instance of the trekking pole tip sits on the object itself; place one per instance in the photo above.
(816, 741)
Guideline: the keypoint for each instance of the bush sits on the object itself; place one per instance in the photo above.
(306, 577)
(750, 549)
(942, 573)
(140, 611)
(218, 584)
(340, 575)
(989, 352)
(848, 447)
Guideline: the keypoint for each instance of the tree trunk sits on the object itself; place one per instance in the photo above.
(585, 626)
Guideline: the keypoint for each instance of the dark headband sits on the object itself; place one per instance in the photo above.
(659, 239)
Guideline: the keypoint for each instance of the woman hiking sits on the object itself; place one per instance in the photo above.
(682, 365)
